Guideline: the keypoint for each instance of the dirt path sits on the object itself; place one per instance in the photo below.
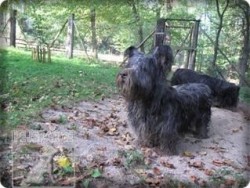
(95, 135)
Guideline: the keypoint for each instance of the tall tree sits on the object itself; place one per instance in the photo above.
(244, 54)
(220, 25)
(93, 32)
(135, 7)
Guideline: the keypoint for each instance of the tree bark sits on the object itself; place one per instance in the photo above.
(139, 24)
(13, 28)
(70, 37)
(244, 56)
(93, 31)
(194, 41)
(160, 33)
(221, 16)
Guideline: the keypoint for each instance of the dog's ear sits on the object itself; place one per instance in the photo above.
(130, 51)
(164, 57)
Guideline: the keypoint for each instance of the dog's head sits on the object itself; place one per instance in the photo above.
(141, 75)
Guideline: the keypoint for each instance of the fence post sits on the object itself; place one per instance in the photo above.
(13, 28)
(70, 37)
(160, 32)
(194, 41)
(49, 53)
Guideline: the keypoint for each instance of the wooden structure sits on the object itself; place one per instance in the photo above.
(41, 54)
(13, 28)
(70, 37)
(163, 32)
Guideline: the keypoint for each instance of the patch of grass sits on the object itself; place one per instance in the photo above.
(228, 178)
(132, 158)
(62, 120)
(31, 86)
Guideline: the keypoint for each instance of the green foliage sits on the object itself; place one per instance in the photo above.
(245, 94)
(67, 170)
(221, 175)
(62, 119)
(85, 183)
(132, 158)
(31, 86)
(96, 173)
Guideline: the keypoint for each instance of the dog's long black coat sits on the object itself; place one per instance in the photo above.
(159, 113)
(225, 94)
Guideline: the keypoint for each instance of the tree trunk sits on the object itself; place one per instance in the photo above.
(244, 56)
(93, 30)
(160, 32)
(221, 16)
(139, 24)
(70, 37)
(194, 41)
(13, 28)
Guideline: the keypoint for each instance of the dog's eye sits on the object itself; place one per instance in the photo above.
(124, 74)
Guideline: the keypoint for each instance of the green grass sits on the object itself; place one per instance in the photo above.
(28, 86)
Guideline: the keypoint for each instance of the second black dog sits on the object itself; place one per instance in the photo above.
(225, 94)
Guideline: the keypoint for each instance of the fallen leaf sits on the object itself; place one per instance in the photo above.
(105, 128)
(188, 154)
(63, 161)
(152, 181)
(218, 163)
(86, 135)
(147, 152)
(202, 183)
(102, 148)
(167, 164)
(141, 172)
(96, 173)
(71, 117)
(203, 153)
(113, 131)
(156, 171)
(194, 179)
(113, 116)
(208, 172)
(235, 130)
(116, 161)
(229, 181)
(127, 137)
(197, 164)
(228, 162)
(90, 122)
(34, 146)
(147, 161)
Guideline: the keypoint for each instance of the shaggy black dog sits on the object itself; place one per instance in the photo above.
(157, 112)
(224, 94)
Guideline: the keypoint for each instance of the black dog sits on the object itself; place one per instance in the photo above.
(224, 94)
(158, 112)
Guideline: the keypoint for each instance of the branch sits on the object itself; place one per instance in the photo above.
(218, 8)
(52, 43)
(224, 55)
(5, 25)
(139, 45)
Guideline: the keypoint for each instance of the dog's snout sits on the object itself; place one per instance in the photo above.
(123, 74)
